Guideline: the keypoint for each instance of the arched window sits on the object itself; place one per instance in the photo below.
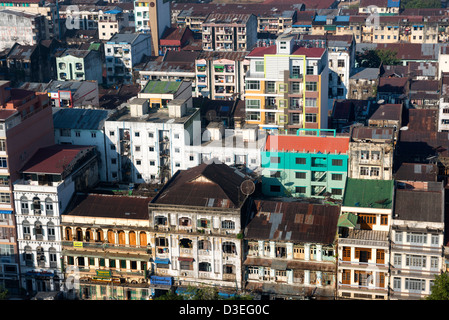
(24, 205)
(100, 235)
(38, 230)
(40, 256)
(111, 237)
(132, 238)
(185, 243)
(121, 237)
(49, 206)
(89, 235)
(68, 234)
(28, 256)
(143, 239)
(79, 234)
(26, 230)
(51, 231)
(53, 257)
(185, 222)
(37, 205)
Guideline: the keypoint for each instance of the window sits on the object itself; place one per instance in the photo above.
(296, 87)
(310, 102)
(364, 171)
(111, 133)
(397, 260)
(65, 132)
(300, 189)
(398, 236)
(137, 134)
(296, 72)
(341, 63)
(300, 160)
(310, 69)
(415, 261)
(397, 284)
(253, 116)
(275, 159)
(311, 86)
(24, 205)
(337, 162)
(151, 149)
(337, 192)
(416, 238)
(384, 219)
(252, 85)
(337, 176)
(137, 148)
(228, 224)
(259, 66)
(252, 104)
(300, 175)
(435, 239)
(5, 197)
(374, 171)
(271, 86)
(415, 284)
(311, 117)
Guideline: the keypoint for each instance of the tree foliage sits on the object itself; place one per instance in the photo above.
(410, 4)
(3, 293)
(440, 289)
(373, 58)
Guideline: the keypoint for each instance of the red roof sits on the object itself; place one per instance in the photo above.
(307, 144)
(261, 51)
(53, 159)
(309, 52)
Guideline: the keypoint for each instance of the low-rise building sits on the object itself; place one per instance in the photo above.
(417, 238)
(106, 246)
(363, 239)
(197, 222)
(49, 180)
(76, 64)
(305, 166)
(371, 152)
(290, 250)
(122, 52)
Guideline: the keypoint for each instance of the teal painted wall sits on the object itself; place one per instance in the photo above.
(316, 172)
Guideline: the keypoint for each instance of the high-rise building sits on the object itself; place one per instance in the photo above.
(25, 125)
(287, 86)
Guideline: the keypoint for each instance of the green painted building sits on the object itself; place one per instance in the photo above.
(305, 166)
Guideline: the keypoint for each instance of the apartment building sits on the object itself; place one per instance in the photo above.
(147, 143)
(287, 87)
(290, 250)
(48, 182)
(111, 22)
(76, 64)
(122, 52)
(152, 17)
(159, 93)
(363, 239)
(371, 152)
(25, 28)
(80, 127)
(25, 125)
(417, 238)
(363, 83)
(443, 106)
(106, 247)
(305, 166)
(197, 222)
(229, 32)
(380, 7)
(221, 75)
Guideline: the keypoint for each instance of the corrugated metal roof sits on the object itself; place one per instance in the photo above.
(294, 221)
(82, 119)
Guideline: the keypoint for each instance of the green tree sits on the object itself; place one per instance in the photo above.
(372, 58)
(440, 289)
(410, 4)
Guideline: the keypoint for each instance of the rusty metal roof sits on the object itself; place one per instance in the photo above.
(294, 221)
(213, 185)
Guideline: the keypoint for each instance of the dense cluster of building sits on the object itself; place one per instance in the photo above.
(150, 146)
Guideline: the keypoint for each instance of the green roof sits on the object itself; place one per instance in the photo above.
(94, 46)
(347, 220)
(368, 193)
(161, 87)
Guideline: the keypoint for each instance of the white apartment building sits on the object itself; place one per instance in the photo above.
(417, 239)
(49, 179)
(148, 144)
(443, 108)
(122, 52)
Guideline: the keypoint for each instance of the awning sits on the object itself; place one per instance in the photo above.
(185, 259)
(348, 220)
(162, 261)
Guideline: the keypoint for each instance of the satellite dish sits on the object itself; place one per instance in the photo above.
(404, 128)
(247, 187)
(380, 101)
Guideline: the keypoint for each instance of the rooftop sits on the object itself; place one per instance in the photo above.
(82, 119)
(54, 159)
(161, 87)
(108, 206)
(372, 133)
(206, 185)
(367, 193)
(294, 221)
(287, 143)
